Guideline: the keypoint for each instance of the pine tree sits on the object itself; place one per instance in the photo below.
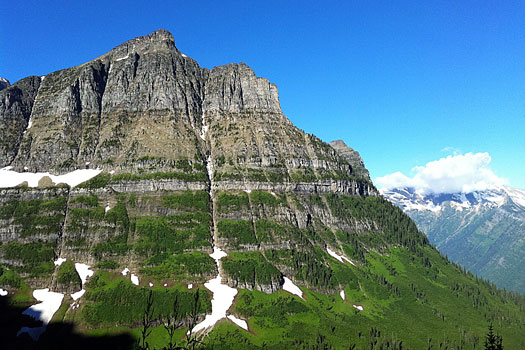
(493, 341)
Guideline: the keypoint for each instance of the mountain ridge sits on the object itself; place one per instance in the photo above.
(205, 191)
(481, 230)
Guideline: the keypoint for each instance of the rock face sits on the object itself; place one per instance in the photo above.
(166, 131)
(4, 83)
(352, 156)
(483, 231)
(16, 105)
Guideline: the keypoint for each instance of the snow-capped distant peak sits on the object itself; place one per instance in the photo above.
(517, 195)
(409, 199)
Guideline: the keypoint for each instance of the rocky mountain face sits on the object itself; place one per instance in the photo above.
(4, 83)
(159, 125)
(484, 231)
(205, 187)
(352, 156)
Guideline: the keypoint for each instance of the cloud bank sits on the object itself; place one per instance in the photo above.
(458, 173)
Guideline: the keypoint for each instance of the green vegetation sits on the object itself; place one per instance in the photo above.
(251, 268)
(35, 217)
(107, 265)
(9, 278)
(179, 266)
(270, 231)
(102, 180)
(228, 202)
(67, 274)
(198, 200)
(90, 200)
(264, 198)
(113, 301)
(37, 257)
(396, 227)
(173, 233)
(115, 246)
(238, 231)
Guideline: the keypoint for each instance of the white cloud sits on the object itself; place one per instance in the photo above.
(455, 173)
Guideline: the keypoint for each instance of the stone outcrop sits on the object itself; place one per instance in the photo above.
(16, 105)
(4, 83)
(352, 156)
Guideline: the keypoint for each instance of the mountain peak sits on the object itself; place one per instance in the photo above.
(352, 156)
(4, 83)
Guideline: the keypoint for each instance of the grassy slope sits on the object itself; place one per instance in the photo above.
(409, 292)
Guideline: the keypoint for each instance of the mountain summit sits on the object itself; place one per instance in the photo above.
(139, 189)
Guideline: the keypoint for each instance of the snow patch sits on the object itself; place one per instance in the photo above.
(3, 292)
(112, 172)
(222, 297)
(204, 128)
(44, 311)
(29, 124)
(9, 178)
(151, 284)
(125, 272)
(341, 258)
(190, 286)
(358, 307)
(59, 261)
(290, 287)
(183, 55)
(165, 284)
(107, 208)
(342, 294)
(517, 195)
(83, 271)
(241, 323)
(122, 58)
(248, 191)
(78, 295)
(135, 279)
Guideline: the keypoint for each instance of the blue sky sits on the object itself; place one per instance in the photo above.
(403, 82)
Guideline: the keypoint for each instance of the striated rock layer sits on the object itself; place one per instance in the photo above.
(154, 121)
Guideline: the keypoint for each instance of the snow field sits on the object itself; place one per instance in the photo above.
(223, 296)
(84, 272)
(44, 311)
(290, 287)
(9, 178)
(59, 261)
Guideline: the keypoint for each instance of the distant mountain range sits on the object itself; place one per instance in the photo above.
(484, 231)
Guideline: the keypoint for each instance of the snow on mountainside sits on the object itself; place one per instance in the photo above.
(484, 231)
(410, 199)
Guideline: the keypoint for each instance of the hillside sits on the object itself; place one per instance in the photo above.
(198, 185)
(483, 231)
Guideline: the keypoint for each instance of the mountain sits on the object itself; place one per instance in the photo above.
(352, 156)
(140, 178)
(4, 83)
(484, 231)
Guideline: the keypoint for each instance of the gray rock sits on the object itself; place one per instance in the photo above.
(352, 156)
(16, 104)
(4, 83)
